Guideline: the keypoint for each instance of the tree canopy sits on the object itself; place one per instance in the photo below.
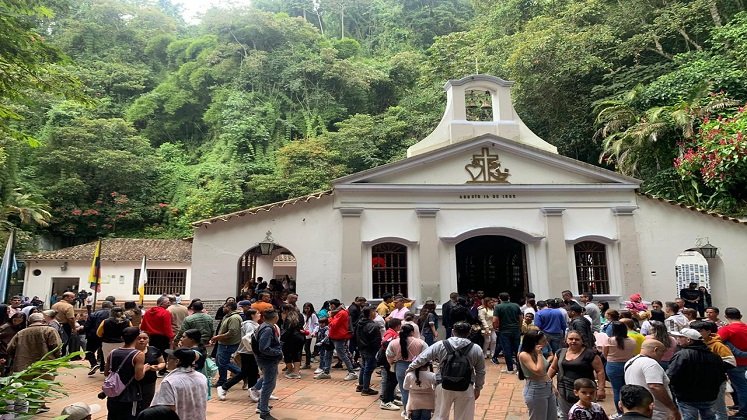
(119, 118)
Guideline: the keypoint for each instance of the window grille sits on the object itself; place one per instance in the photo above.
(160, 281)
(591, 267)
(389, 262)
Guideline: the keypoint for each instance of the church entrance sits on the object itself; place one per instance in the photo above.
(493, 264)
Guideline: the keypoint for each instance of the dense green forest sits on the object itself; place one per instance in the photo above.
(117, 118)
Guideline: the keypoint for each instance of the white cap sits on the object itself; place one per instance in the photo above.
(80, 410)
(687, 332)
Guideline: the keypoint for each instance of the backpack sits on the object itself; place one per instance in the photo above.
(456, 370)
(255, 341)
(113, 385)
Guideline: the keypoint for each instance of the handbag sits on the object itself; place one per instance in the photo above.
(113, 386)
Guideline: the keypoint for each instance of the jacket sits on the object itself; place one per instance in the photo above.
(486, 319)
(339, 326)
(369, 337)
(93, 322)
(268, 342)
(438, 352)
(231, 326)
(157, 321)
(695, 373)
(717, 347)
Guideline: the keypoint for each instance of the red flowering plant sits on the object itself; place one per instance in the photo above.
(717, 154)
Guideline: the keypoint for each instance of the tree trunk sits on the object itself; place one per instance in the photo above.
(715, 15)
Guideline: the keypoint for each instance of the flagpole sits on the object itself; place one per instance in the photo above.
(7, 265)
(97, 274)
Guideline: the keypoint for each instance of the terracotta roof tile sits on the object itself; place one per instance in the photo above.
(695, 209)
(123, 249)
(266, 207)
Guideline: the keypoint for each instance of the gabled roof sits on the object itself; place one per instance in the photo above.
(122, 249)
(529, 152)
(264, 208)
(695, 209)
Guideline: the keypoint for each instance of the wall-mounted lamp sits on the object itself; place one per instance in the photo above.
(707, 250)
(266, 246)
(63, 267)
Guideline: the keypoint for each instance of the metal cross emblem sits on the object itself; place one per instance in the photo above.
(486, 168)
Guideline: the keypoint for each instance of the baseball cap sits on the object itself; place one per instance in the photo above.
(245, 303)
(80, 410)
(687, 332)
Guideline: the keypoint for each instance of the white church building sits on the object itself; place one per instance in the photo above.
(484, 205)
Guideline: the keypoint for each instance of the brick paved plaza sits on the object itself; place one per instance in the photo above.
(309, 399)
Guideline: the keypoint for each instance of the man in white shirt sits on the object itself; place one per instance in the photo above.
(675, 320)
(592, 310)
(644, 370)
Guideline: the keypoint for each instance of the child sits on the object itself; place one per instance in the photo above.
(421, 383)
(586, 409)
(321, 339)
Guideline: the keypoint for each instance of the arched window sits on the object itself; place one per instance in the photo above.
(591, 267)
(389, 265)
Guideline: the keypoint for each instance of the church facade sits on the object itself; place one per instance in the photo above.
(484, 205)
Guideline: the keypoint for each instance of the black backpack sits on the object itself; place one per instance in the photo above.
(255, 340)
(456, 370)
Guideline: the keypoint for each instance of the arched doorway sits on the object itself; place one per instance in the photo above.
(492, 263)
(691, 267)
(279, 265)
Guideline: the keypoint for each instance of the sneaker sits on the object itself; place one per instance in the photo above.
(494, 360)
(404, 414)
(388, 406)
(253, 394)
(358, 388)
(369, 392)
(337, 366)
(272, 397)
(351, 376)
(290, 376)
(221, 393)
(257, 411)
(93, 370)
(267, 417)
(318, 371)
(323, 376)
(398, 403)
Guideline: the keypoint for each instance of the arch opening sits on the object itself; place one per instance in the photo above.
(253, 267)
(493, 264)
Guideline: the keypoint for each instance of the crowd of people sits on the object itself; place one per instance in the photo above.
(664, 360)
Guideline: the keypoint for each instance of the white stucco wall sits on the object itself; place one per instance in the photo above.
(666, 230)
(310, 231)
(118, 277)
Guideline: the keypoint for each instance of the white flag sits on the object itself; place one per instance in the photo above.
(142, 281)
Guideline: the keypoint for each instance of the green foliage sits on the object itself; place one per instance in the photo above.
(34, 385)
(263, 103)
(717, 157)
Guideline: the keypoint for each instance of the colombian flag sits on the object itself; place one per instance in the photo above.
(94, 277)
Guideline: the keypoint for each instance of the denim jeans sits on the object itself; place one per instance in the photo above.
(400, 368)
(342, 353)
(224, 362)
(615, 372)
(388, 383)
(719, 407)
(540, 400)
(690, 410)
(555, 341)
(269, 379)
(739, 383)
(510, 344)
(420, 415)
(325, 359)
(368, 364)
